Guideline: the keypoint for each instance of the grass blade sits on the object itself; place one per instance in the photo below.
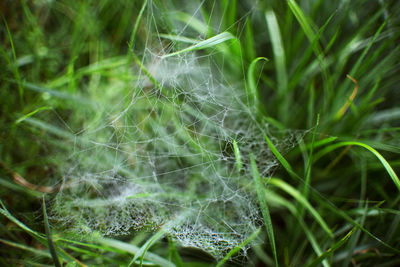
(237, 248)
(309, 161)
(238, 158)
(332, 249)
(151, 257)
(49, 238)
(384, 162)
(137, 22)
(7, 214)
(278, 50)
(303, 201)
(251, 82)
(280, 158)
(213, 41)
(264, 206)
(15, 66)
(31, 114)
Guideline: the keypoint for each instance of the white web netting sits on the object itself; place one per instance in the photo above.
(155, 155)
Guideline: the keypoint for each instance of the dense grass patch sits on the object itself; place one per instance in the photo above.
(199, 133)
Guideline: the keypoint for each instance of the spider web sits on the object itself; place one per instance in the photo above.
(161, 153)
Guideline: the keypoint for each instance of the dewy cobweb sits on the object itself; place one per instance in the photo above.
(162, 153)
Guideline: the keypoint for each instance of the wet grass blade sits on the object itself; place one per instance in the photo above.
(213, 41)
(280, 158)
(264, 206)
(238, 158)
(49, 238)
(237, 248)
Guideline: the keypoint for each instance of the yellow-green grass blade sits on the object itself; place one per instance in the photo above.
(238, 157)
(302, 200)
(210, 42)
(31, 114)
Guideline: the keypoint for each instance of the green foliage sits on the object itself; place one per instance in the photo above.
(81, 93)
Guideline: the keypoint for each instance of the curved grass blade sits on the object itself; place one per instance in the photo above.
(303, 201)
(237, 248)
(251, 82)
(264, 206)
(7, 214)
(213, 41)
(384, 162)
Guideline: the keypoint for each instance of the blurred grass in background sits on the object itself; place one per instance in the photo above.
(61, 61)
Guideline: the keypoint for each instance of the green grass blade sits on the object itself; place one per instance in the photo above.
(213, 41)
(302, 19)
(309, 160)
(15, 67)
(137, 22)
(332, 249)
(278, 51)
(384, 162)
(140, 255)
(174, 254)
(179, 38)
(280, 158)
(192, 22)
(35, 251)
(31, 114)
(49, 238)
(252, 90)
(7, 214)
(264, 206)
(357, 65)
(275, 199)
(129, 248)
(238, 158)
(302, 200)
(237, 248)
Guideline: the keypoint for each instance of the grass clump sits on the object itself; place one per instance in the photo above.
(169, 133)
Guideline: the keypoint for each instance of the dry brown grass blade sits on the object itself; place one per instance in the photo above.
(346, 105)
(23, 182)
